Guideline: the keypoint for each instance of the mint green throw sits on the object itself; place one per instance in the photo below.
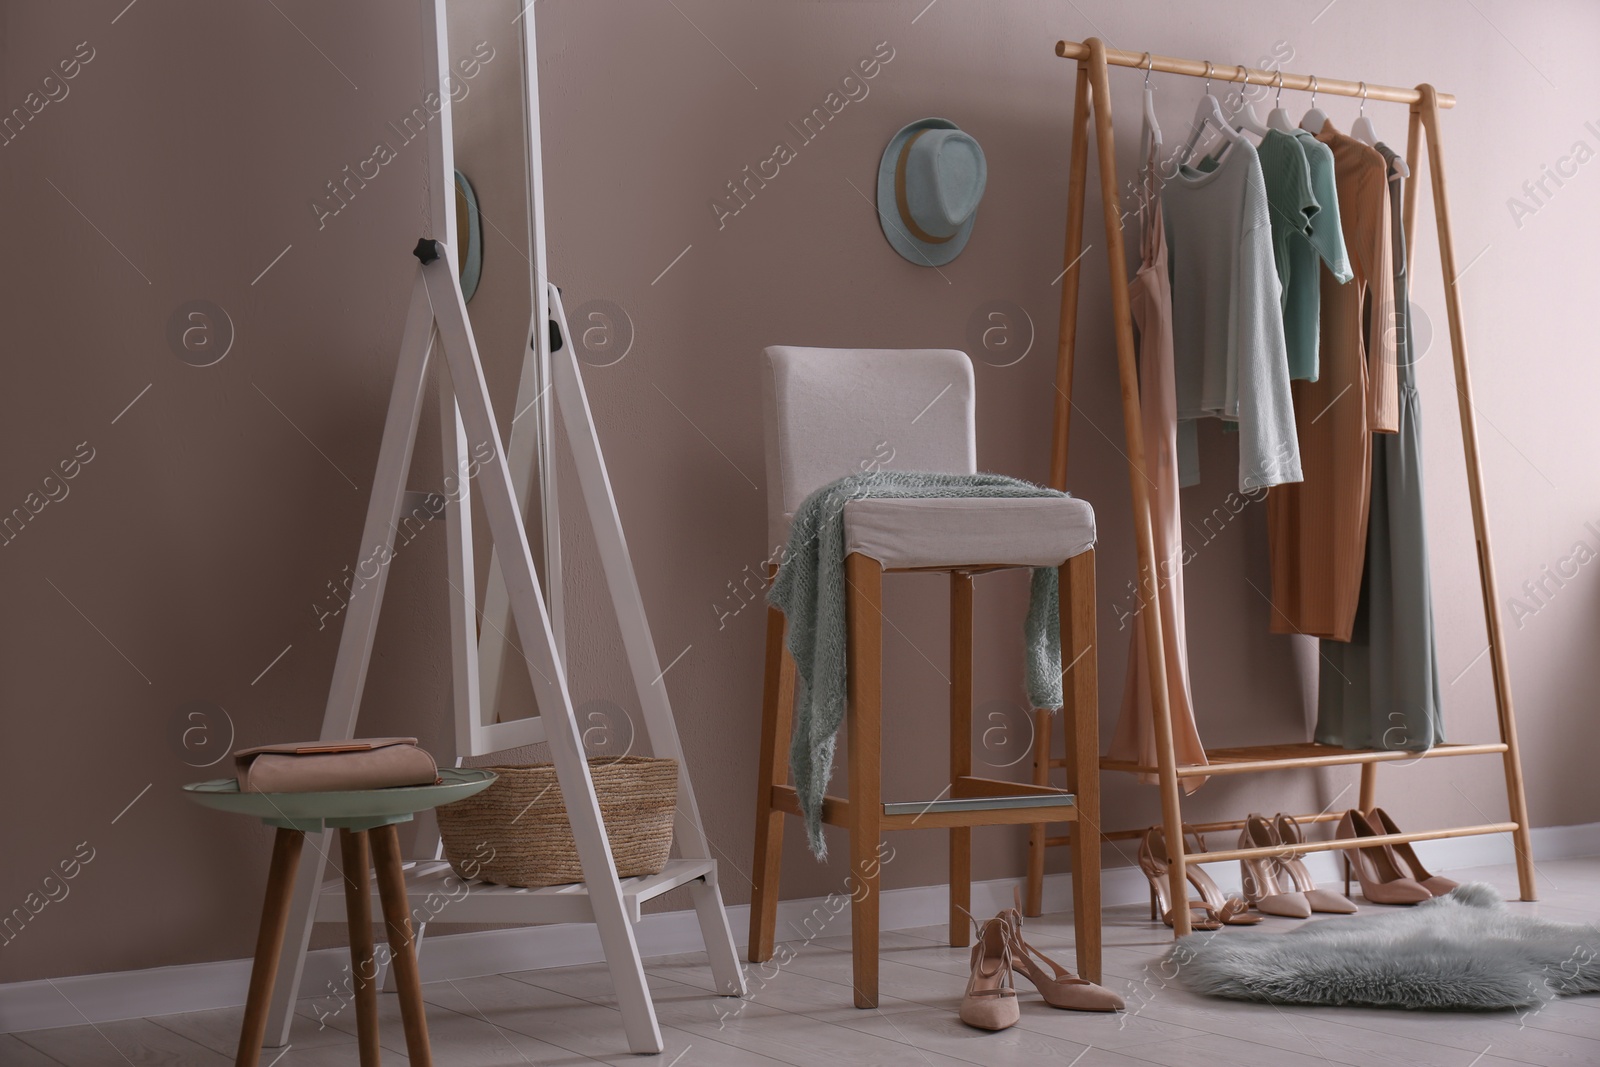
(810, 591)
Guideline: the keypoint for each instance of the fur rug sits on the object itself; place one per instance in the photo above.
(1465, 951)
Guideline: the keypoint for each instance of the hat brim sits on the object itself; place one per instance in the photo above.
(922, 253)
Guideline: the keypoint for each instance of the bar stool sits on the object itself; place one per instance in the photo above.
(833, 412)
(358, 814)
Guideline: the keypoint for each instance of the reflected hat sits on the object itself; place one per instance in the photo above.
(929, 183)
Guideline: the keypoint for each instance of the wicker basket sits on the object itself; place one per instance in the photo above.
(516, 831)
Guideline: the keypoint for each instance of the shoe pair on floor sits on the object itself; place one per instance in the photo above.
(1389, 874)
(1281, 885)
(1274, 886)
(1213, 910)
(999, 953)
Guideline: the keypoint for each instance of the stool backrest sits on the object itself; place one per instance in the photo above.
(837, 411)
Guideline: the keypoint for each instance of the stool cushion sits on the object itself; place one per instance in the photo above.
(958, 531)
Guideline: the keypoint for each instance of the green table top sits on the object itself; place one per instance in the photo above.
(353, 809)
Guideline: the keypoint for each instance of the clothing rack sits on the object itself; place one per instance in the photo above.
(1093, 92)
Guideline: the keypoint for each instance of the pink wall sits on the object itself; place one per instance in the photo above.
(189, 551)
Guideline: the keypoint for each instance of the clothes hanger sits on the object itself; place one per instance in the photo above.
(1362, 131)
(1209, 112)
(1314, 119)
(1150, 101)
(1245, 117)
(1279, 118)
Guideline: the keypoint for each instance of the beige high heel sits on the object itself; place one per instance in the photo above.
(990, 1002)
(1062, 990)
(1323, 900)
(1212, 910)
(1260, 873)
(1437, 884)
(1376, 866)
(1231, 910)
(1201, 917)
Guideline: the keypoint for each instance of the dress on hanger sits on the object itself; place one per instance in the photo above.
(1227, 322)
(1150, 298)
(1317, 530)
(1324, 242)
(1381, 690)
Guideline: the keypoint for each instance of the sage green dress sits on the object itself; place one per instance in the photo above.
(1381, 688)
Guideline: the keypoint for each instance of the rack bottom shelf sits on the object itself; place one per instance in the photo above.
(1250, 759)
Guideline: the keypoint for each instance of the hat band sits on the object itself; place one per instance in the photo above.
(900, 196)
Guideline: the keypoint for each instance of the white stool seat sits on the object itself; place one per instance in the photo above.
(953, 531)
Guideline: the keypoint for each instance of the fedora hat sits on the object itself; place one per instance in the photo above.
(929, 183)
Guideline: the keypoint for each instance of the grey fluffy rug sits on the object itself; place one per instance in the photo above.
(1465, 951)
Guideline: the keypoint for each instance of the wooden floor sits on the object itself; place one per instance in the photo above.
(800, 1014)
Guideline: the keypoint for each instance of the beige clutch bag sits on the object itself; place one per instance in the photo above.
(330, 766)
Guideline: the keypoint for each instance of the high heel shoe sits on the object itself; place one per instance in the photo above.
(1260, 873)
(1322, 900)
(990, 1002)
(1231, 910)
(1211, 911)
(1154, 866)
(1376, 866)
(1062, 990)
(1436, 884)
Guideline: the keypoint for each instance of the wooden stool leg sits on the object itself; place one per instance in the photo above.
(960, 751)
(1033, 894)
(863, 718)
(269, 943)
(1081, 730)
(777, 715)
(363, 963)
(397, 919)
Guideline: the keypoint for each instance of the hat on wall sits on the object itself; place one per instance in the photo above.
(929, 183)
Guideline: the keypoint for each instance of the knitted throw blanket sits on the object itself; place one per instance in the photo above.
(810, 591)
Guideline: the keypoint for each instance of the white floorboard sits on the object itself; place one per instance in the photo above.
(800, 1015)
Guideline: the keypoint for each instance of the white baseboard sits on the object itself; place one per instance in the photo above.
(98, 998)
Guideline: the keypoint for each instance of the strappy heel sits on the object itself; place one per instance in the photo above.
(1062, 988)
(1321, 900)
(1201, 917)
(1260, 873)
(1231, 910)
(1211, 911)
(990, 1002)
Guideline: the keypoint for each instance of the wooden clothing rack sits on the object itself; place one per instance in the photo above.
(1093, 88)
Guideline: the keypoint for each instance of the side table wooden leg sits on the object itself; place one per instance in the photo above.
(269, 943)
(397, 920)
(363, 963)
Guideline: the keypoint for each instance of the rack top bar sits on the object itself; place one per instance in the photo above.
(1230, 72)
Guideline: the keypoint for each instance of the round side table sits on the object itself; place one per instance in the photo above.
(366, 821)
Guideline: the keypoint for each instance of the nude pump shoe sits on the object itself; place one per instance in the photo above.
(990, 1002)
(1063, 989)
(1437, 884)
(1260, 874)
(1322, 900)
(1377, 867)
